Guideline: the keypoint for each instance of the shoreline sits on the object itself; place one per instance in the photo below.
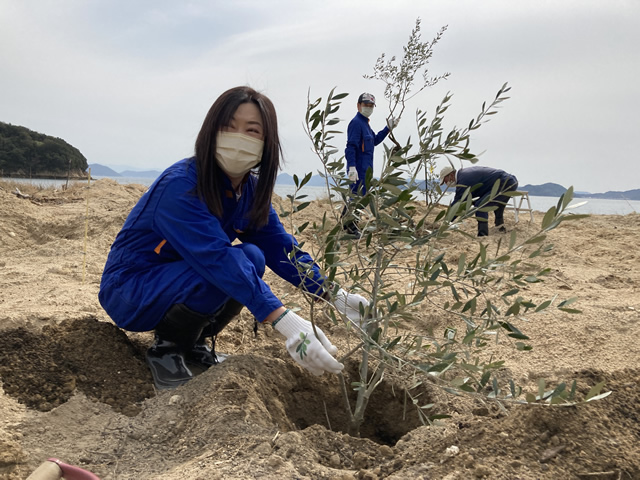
(579, 205)
(9, 176)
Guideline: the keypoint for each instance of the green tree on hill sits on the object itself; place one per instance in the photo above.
(24, 152)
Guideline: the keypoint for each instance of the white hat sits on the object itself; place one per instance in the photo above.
(446, 171)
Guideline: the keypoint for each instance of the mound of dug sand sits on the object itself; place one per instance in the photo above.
(76, 387)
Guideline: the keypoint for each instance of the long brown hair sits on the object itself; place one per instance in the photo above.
(211, 177)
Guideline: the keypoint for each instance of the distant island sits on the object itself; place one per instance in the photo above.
(104, 171)
(28, 154)
(555, 190)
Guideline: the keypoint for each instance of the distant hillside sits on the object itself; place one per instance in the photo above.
(555, 190)
(614, 195)
(544, 190)
(25, 153)
(102, 171)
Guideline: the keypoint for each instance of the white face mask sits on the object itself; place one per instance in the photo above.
(366, 111)
(237, 153)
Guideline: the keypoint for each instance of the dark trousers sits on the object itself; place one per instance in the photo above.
(510, 184)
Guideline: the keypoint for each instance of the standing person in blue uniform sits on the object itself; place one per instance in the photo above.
(174, 268)
(481, 181)
(361, 141)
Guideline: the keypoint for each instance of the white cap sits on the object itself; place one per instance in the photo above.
(446, 171)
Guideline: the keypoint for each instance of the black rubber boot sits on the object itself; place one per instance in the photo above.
(167, 365)
(500, 220)
(201, 356)
(175, 335)
(352, 229)
(499, 213)
(223, 317)
(483, 229)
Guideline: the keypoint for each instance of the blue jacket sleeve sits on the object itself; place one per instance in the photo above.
(381, 135)
(354, 142)
(186, 223)
(458, 195)
(300, 270)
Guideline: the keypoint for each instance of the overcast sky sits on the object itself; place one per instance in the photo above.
(129, 82)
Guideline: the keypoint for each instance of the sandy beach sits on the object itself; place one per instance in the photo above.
(75, 387)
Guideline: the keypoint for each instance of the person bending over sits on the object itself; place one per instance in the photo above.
(481, 181)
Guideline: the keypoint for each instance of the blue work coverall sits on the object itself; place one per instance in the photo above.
(481, 181)
(361, 141)
(172, 249)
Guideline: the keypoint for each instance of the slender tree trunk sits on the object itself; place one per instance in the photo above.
(68, 174)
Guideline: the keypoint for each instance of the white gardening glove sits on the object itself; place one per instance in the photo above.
(392, 122)
(353, 174)
(311, 352)
(348, 304)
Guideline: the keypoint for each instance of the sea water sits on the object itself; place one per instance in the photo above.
(595, 206)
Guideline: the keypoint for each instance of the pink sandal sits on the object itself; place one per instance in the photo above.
(54, 469)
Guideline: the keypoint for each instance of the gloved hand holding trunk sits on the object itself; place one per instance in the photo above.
(392, 122)
(348, 304)
(315, 353)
